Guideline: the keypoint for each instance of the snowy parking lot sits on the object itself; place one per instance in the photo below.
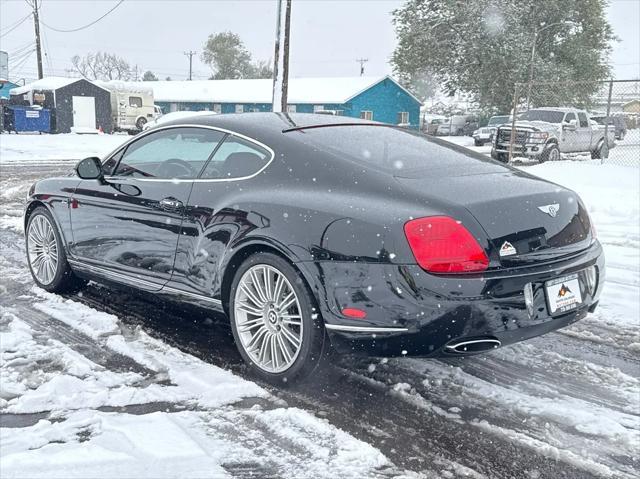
(110, 383)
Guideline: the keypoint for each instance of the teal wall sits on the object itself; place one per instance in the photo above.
(385, 99)
(5, 88)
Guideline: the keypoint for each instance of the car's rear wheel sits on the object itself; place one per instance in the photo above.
(478, 142)
(46, 255)
(275, 323)
(600, 152)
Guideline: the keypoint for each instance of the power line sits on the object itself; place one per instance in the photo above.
(84, 26)
(20, 22)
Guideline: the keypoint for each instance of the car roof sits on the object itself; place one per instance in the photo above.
(266, 126)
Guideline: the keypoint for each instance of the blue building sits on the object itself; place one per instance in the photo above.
(380, 98)
(5, 87)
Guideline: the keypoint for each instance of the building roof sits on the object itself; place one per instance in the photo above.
(48, 83)
(301, 90)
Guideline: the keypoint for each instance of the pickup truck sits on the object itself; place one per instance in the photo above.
(546, 133)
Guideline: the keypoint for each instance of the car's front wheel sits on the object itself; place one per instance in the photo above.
(46, 255)
(275, 323)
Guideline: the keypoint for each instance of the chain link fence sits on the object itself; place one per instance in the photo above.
(593, 121)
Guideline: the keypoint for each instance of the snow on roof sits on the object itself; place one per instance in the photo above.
(301, 90)
(48, 83)
(124, 86)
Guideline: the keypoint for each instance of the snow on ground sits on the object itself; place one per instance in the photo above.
(28, 149)
(92, 396)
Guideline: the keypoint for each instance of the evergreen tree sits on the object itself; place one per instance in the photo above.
(149, 76)
(484, 48)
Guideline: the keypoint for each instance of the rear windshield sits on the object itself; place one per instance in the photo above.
(394, 150)
(498, 120)
(543, 115)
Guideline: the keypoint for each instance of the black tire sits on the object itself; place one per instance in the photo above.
(598, 153)
(315, 343)
(551, 153)
(64, 280)
(478, 142)
(621, 135)
(501, 157)
(140, 123)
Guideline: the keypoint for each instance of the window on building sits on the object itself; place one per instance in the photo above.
(317, 108)
(172, 153)
(291, 108)
(236, 158)
(135, 101)
(217, 107)
(366, 115)
(403, 118)
(239, 108)
(584, 122)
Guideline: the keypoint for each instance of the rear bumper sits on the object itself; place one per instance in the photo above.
(411, 312)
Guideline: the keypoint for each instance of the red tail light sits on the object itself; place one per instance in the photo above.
(442, 245)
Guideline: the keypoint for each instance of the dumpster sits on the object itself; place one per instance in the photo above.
(26, 118)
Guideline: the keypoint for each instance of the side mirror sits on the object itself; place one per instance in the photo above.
(89, 168)
(571, 125)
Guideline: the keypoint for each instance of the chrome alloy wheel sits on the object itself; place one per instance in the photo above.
(268, 318)
(42, 249)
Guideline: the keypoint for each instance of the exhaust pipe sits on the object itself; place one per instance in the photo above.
(472, 346)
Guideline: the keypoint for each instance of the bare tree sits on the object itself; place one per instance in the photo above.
(102, 66)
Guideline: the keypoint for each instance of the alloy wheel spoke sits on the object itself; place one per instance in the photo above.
(295, 342)
(258, 287)
(251, 296)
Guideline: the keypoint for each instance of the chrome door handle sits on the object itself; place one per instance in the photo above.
(170, 204)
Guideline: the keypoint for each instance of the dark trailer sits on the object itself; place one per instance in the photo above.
(75, 104)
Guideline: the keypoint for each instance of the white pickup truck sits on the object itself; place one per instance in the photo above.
(546, 133)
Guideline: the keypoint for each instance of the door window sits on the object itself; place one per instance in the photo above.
(236, 158)
(584, 122)
(135, 101)
(174, 153)
(569, 117)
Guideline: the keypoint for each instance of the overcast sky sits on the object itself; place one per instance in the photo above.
(327, 36)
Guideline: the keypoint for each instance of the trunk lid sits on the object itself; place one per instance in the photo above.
(526, 218)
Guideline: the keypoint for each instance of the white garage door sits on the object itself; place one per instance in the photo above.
(84, 112)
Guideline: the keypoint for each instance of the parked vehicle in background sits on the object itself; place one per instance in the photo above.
(430, 123)
(458, 125)
(545, 133)
(618, 122)
(132, 105)
(485, 134)
(176, 115)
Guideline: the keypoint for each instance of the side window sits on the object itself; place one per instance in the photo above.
(366, 115)
(403, 117)
(172, 153)
(584, 122)
(568, 117)
(135, 101)
(236, 158)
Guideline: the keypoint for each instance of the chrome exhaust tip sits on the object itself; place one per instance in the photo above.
(472, 346)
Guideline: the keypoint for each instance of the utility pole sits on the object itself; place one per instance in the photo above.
(362, 61)
(36, 23)
(281, 58)
(190, 54)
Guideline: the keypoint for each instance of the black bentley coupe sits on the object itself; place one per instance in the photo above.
(313, 232)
